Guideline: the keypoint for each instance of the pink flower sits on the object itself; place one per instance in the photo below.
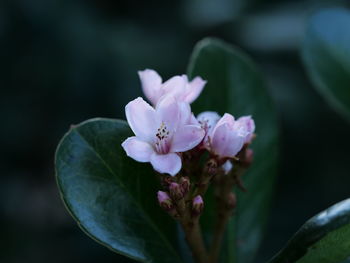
(178, 86)
(226, 139)
(161, 133)
(249, 123)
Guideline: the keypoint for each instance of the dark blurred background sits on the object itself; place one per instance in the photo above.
(66, 61)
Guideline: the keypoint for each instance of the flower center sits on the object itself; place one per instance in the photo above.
(162, 143)
(205, 124)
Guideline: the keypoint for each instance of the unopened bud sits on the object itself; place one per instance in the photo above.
(176, 191)
(227, 167)
(197, 205)
(185, 185)
(165, 201)
(231, 201)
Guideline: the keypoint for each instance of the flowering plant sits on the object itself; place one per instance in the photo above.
(174, 142)
(183, 168)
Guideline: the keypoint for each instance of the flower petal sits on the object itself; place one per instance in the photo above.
(151, 84)
(185, 113)
(142, 119)
(175, 86)
(166, 163)
(137, 149)
(227, 118)
(225, 141)
(186, 138)
(249, 125)
(193, 120)
(168, 112)
(195, 88)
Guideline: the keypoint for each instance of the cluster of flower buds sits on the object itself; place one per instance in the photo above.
(172, 139)
(177, 200)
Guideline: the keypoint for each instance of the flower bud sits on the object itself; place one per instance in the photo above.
(227, 167)
(197, 205)
(176, 191)
(165, 201)
(231, 201)
(185, 185)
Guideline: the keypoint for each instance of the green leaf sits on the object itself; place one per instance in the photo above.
(326, 56)
(235, 86)
(112, 197)
(325, 238)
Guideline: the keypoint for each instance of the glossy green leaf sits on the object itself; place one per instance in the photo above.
(325, 238)
(112, 197)
(235, 86)
(326, 56)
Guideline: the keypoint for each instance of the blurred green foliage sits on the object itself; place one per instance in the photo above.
(66, 61)
(326, 55)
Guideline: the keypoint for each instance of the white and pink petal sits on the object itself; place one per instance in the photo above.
(137, 149)
(141, 118)
(166, 163)
(194, 89)
(186, 138)
(151, 84)
(168, 112)
(176, 86)
(249, 125)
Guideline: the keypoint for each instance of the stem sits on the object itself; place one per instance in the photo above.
(218, 236)
(195, 240)
(181, 208)
(202, 187)
(224, 187)
(208, 173)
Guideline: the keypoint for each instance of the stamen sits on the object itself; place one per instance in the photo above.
(204, 124)
(162, 145)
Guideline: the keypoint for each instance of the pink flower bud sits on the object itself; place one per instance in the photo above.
(165, 201)
(227, 167)
(176, 191)
(185, 185)
(197, 205)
